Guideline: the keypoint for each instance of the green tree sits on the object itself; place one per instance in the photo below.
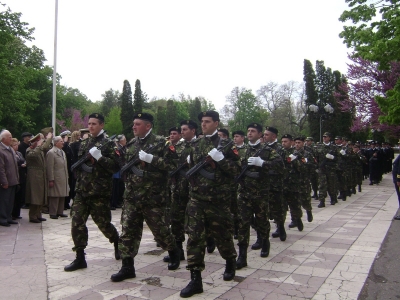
(127, 110)
(195, 110)
(137, 98)
(110, 100)
(171, 114)
(161, 121)
(375, 36)
(113, 124)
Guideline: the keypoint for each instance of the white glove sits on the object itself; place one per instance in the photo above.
(305, 158)
(329, 156)
(342, 152)
(292, 157)
(216, 155)
(96, 153)
(255, 161)
(188, 159)
(146, 157)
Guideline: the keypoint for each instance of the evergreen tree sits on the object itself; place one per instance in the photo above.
(138, 100)
(113, 123)
(161, 119)
(171, 120)
(127, 110)
(311, 97)
(194, 110)
(110, 100)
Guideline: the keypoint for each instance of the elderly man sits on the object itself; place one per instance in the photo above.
(57, 177)
(8, 178)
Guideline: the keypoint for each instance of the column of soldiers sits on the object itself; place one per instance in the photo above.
(218, 189)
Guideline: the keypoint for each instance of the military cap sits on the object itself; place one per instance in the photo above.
(144, 117)
(255, 126)
(272, 129)
(209, 113)
(238, 132)
(26, 134)
(345, 139)
(327, 134)
(299, 138)
(35, 138)
(64, 133)
(309, 138)
(83, 130)
(372, 143)
(224, 131)
(189, 122)
(175, 128)
(287, 136)
(97, 116)
(338, 137)
(46, 130)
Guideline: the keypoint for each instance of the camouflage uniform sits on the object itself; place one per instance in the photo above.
(209, 205)
(313, 174)
(310, 164)
(327, 177)
(145, 195)
(358, 163)
(180, 193)
(343, 171)
(252, 191)
(292, 184)
(277, 204)
(93, 191)
(234, 205)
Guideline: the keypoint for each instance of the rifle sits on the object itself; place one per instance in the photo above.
(177, 170)
(136, 158)
(322, 165)
(244, 169)
(88, 156)
(205, 161)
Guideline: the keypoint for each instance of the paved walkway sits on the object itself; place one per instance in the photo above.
(329, 259)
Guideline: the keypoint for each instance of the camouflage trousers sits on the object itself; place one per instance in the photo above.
(357, 176)
(99, 209)
(343, 180)
(293, 200)
(178, 209)
(277, 206)
(135, 211)
(250, 205)
(327, 184)
(215, 219)
(305, 196)
(235, 208)
(314, 181)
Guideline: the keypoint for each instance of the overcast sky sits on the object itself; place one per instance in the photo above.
(199, 48)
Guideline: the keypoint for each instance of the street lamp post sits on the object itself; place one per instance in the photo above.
(327, 110)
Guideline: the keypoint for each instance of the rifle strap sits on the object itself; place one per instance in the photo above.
(206, 174)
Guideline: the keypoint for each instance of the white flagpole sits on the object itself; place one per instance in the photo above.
(53, 123)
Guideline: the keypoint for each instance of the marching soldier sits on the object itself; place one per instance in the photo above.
(180, 190)
(259, 160)
(342, 166)
(93, 187)
(149, 158)
(309, 146)
(326, 155)
(310, 164)
(208, 210)
(277, 207)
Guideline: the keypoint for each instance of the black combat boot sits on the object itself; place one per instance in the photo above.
(315, 196)
(349, 193)
(353, 190)
(321, 204)
(293, 224)
(180, 246)
(265, 248)
(78, 263)
(116, 251)
(210, 245)
(282, 232)
(242, 258)
(174, 259)
(127, 271)
(344, 195)
(230, 269)
(340, 195)
(309, 216)
(274, 234)
(236, 231)
(359, 188)
(195, 285)
(300, 225)
(257, 244)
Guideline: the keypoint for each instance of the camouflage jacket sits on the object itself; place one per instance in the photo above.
(99, 182)
(224, 171)
(344, 160)
(292, 171)
(325, 164)
(276, 178)
(272, 163)
(180, 182)
(149, 177)
(310, 163)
